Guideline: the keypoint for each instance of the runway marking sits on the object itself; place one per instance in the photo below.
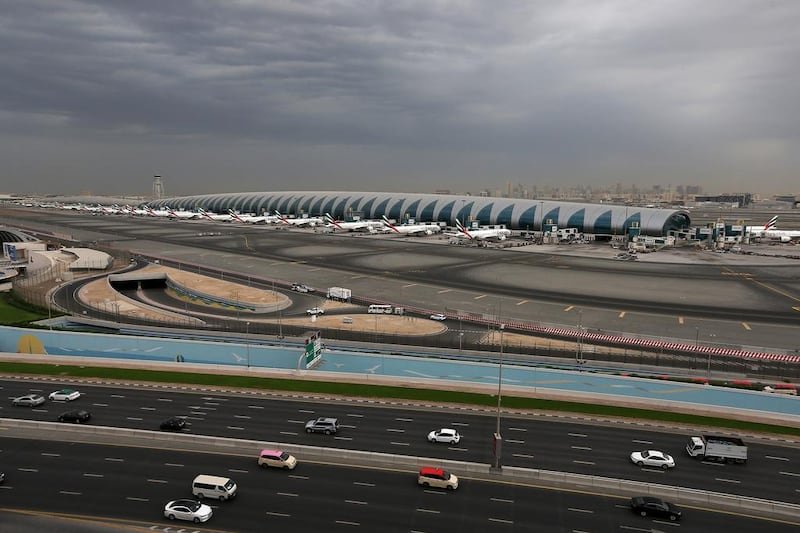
(522, 302)
(773, 289)
(568, 309)
(622, 314)
(409, 285)
(481, 296)
(443, 291)
(746, 326)
(680, 320)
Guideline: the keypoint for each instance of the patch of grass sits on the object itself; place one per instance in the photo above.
(16, 313)
(381, 391)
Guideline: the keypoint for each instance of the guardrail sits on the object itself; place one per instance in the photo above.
(207, 444)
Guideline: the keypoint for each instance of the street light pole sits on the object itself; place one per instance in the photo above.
(247, 341)
(498, 439)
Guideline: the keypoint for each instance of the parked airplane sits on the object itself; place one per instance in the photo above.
(157, 212)
(489, 234)
(772, 233)
(247, 218)
(184, 215)
(412, 229)
(305, 221)
(356, 225)
(214, 216)
(753, 230)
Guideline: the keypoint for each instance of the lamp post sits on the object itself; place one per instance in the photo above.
(578, 345)
(708, 368)
(247, 341)
(498, 439)
(696, 345)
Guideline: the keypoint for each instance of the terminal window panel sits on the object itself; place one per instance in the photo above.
(327, 207)
(576, 220)
(381, 208)
(602, 224)
(464, 212)
(317, 204)
(284, 204)
(355, 204)
(633, 221)
(446, 214)
(484, 216)
(411, 210)
(294, 204)
(427, 213)
(551, 217)
(527, 220)
(395, 212)
(368, 207)
(341, 209)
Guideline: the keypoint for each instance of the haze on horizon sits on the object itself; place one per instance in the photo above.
(226, 96)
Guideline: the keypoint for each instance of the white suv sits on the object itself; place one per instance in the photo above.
(323, 425)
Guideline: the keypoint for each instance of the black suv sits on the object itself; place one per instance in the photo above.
(647, 505)
(75, 416)
(323, 425)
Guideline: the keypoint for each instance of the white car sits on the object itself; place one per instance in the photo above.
(438, 316)
(64, 395)
(29, 400)
(447, 435)
(188, 510)
(653, 458)
(315, 311)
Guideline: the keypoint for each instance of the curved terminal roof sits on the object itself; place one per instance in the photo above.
(515, 213)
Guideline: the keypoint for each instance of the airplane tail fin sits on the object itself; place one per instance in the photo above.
(772, 224)
(389, 224)
(329, 219)
(462, 229)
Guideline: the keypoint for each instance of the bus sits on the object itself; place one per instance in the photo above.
(375, 308)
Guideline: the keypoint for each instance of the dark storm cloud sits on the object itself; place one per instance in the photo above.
(439, 94)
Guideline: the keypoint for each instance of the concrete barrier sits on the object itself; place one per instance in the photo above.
(31, 429)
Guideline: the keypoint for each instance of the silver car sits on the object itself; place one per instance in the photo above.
(29, 400)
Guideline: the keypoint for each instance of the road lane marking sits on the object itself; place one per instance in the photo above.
(343, 438)
(147, 408)
(501, 500)
(136, 418)
(577, 434)
(295, 476)
(400, 443)
(727, 480)
(642, 441)
(461, 424)
(404, 419)
(117, 396)
(355, 502)
(174, 464)
(584, 462)
(135, 499)
(586, 448)
(51, 454)
(776, 458)
(100, 404)
(27, 469)
(409, 285)
(89, 474)
(295, 421)
(239, 428)
(306, 411)
(157, 481)
(575, 509)
(363, 484)
(789, 474)
(354, 415)
(238, 471)
(522, 455)
(443, 291)
(69, 492)
(289, 494)
(396, 430)
(165, 399)
(516, 429)
(255, 406)
(512, 441)
(115, 459)
(432, 511)
(288, 433)
(500, 520)
(348, 523)
(282, 515)
(457, 449)
(348, 427)
(242, 416)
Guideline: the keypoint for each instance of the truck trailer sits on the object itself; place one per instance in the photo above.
(339, 293)
(715, 448)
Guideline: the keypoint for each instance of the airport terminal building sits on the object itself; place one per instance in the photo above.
(516, 214)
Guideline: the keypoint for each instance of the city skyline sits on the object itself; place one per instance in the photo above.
(460, 96)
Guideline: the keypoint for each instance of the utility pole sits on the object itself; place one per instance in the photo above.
(498, 439)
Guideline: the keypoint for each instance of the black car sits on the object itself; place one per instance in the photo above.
(174, 423)
(75, 416)
(649, 506)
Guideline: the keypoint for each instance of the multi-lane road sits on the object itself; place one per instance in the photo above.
(772, 472)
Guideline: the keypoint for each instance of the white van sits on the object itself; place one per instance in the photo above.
(221, 488)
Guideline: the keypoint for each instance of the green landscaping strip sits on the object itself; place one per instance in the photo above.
(382, 391)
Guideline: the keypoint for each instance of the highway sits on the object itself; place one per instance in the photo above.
(131, 485)
(570, 445)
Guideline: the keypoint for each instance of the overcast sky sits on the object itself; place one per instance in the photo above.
(260, 95)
